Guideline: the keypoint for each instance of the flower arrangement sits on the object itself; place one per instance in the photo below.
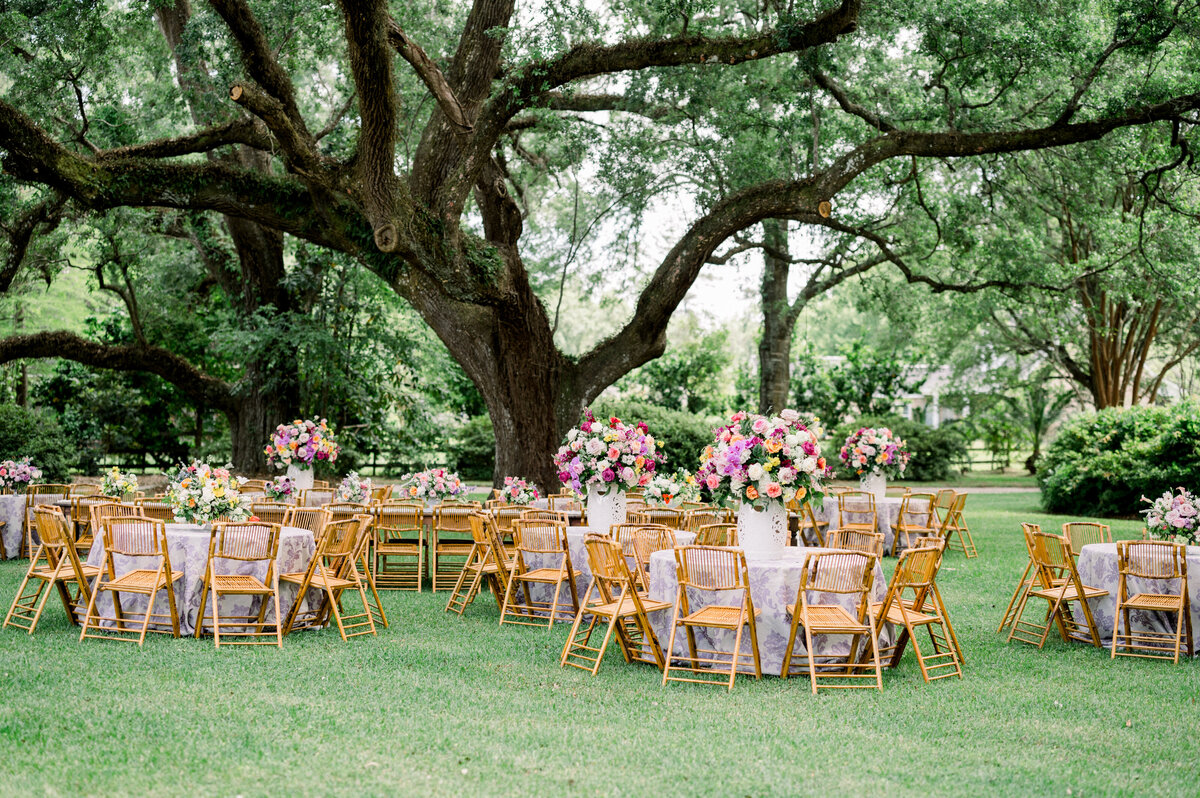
(200, 494)
(18, 474)
(432, 484)
(354, 489)
(518, 491)
(280, 489)
(661, 489)
(875, 449)
(1173, 516)
(759, 459)
(117, 484)
(302, 444)
(607, 455)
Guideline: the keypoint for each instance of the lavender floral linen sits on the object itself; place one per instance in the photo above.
(1098, 568)
(773, 586)
(887, 510)
(187, 546)
(12, 513)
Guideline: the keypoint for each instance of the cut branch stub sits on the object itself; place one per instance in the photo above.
(824, 207)
(386, 237)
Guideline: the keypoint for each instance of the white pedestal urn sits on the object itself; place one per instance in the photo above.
(605, 509)
(762, 533)
(876, 483)
(302, 478)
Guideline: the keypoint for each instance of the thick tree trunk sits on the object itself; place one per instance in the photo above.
(775, 346)
(257, 411)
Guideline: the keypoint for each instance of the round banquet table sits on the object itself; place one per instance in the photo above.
(187, 546)
(887, 511)
(773, 586)
(1098, 568)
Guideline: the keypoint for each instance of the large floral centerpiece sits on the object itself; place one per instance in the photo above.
(17, 475)
(876, 454)
(608, 458)
(117, 484)
(354, 488)
(201, 494)
(432, 485)
(280, 489)
(1173, 516)
(299, 446)
(519, 491)
(763, 462)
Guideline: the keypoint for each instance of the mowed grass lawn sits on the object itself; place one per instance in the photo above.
(441, 705)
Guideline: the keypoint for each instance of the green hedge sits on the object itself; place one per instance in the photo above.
(933, 451)
(472, 450)
(38, 436)
(1103, 463)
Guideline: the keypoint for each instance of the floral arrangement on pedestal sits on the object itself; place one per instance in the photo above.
(354, 488)
(201, 494)
(1173, 516)
(607, 455)
(16, 475)
(875, 450)
(759, 459)
(280, 489)
(432, 484)
(117, 484)
(302, 444)
(519, 491)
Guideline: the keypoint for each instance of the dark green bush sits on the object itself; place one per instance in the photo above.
(933, 451)
(472, 450)
(38, 436)
(1103, 463)
(681, 436)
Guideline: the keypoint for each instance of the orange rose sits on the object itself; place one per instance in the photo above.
(773, 445)
(751, 493)
(801, 493)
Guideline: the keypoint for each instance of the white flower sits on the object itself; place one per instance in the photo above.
(808, 464)
(787, 474)
(789, 415)
(595, 446)
(755, 472)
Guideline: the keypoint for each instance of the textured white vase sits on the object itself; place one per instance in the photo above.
(875, 483)
(302, 479)
(762, 533)
(605, 509)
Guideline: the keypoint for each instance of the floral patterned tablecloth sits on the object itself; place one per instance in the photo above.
(12, 513)
(1098, 568)
(187, 546)
(773, 585)
(887, 510)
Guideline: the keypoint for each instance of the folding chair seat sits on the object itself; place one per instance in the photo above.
(917, 517)
(1052, 558)
(236, 543)
(914, 602)
(836, 574)
(481, 565)
(55, 566)
(140, 538)
(712, 570)
(1152, 561)
(716, 535)
(855, 540)
(331, 571)
(400, 545)
(618, 605)
(955, 523)
(536, 540)
(451, 542)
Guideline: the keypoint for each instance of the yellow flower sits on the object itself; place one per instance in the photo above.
(219, 491)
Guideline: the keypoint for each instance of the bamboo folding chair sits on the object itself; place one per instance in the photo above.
(686, 506)
(361, 563)
(861, 505)
(1052, 557)
(451, 542)
(505, 514)
(537, 514)
(836, 573)
(914, 602)
(1159, 561)
(716, 535)
(855, 540)
(625, 535)
(1083, 533)
(46, 493)
(316, 497)
(646, 541)
(565, 504)
(897, 491)
(539, 539)
(917, 516)
(235, 543)
(694, 519)
(81, 521)
(100, 512)
(133, 537)
(662, 516)
(381, 494)
(618, 605)
(84, 489)
(270, 512)
(955, 524)
(332, 572)
(1029, 579)
(156, 509)
(481, 565)
(400, 545)
(712, 570)
(313, 519)
(809, 530)
(55, 566)
(340, 511)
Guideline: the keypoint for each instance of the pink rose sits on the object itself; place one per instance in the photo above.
(774, 490)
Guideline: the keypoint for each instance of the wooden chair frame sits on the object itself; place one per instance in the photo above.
(133, 537)
(540, 537)
(914, 602)
(954, 523)
(157, 509)
(855, 540)
(332, 572)
(1052, 557)
(660, 516)
(1158, 560)
(450, 553)
(55, 565)
(270, 512)
(481, 565)
(31, 494)
(313, 519)
(400, 537)
(857, 502)
(907, 527)
(810, 531)
(719, 535)
(251, 541)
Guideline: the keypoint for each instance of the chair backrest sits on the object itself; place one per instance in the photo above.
(321, 484)
(253, 486)
(917, 510)
(646, 541)
(56, 541)
(454, 516)
(838, 573)
(1083, 533)
(896, 490)
(102, 511)
(505, 514)
(1052, 555)
(856, 502)
(564, 504)
(917, 568)
(925, 541)
(855, 540)
(712, 568)
(82, 489)
(1152, 559)
(694, 519)
(945, 498)
(716, 535)
(134, 537)
(666, 516)
(540, 536)
(956, 509)
(270, 512)
(46, 493)
(249, 541)
(340, 511)
(381, 493)
(155, 508)
(399, 519)
(609, 568)
(685, 506)
(339, 540)
(807, 522)
(479, 531)
(535, 514)
(314, 519)
(315, 497)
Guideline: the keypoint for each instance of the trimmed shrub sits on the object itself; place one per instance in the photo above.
(473, 449)
(1103, 463)
(38, 436)
(681, 436)
(933, 452)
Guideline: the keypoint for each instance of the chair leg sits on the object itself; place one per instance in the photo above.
(1022, 588)
(671, 642)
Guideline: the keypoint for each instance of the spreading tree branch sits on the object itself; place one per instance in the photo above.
(20, 235)
(429, 73)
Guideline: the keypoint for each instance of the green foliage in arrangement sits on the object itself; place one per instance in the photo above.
(933, 451)
(39, 437)
(1103, 463)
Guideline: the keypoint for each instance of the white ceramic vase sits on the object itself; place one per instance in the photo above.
(762, 533)
(605, 509)
(875, 483)
(302, 478)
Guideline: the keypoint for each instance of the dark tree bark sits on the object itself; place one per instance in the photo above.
(775, 346)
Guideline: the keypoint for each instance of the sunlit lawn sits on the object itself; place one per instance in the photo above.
(441, 705)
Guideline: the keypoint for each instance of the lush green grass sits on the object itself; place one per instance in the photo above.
(444, 705)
